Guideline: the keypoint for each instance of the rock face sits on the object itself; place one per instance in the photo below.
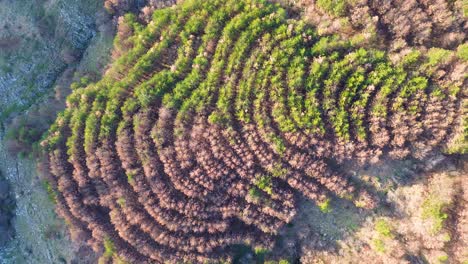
(39, 237)
(7, 204)
(39, 41)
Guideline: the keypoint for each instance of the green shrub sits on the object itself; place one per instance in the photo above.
(24, 136)
(278, 171)
(443, 258)
(462, 52)
(411, 58)
(281, 261)
(50, 191)
(109, 248)
(334, 7)
(254, 192)
(83, 82)
(121, 201)
(446, 237)
(379, 245)
(436, 56)
(433, 209)
(384, 228)
(264, 184)
(465, 14)
(130, 178)
(260, 254)
(325, 206)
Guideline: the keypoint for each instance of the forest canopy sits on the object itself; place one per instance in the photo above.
(216, 116)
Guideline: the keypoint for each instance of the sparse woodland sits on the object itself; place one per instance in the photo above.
(215, 116)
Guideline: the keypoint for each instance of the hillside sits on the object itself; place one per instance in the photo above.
(217, 119)
(43, 44)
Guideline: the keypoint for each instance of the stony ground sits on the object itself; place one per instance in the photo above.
(44, 45)
(7, 206)
(39, 234)
(39, 40)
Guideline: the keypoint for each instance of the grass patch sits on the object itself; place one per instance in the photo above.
(384, 228)
(385, 232)
(433, 209)
(442, 258)
(379, 245)
(97, 54)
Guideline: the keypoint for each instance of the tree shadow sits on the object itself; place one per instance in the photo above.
(315, 229)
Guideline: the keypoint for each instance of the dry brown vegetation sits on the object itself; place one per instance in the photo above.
(425, 225)
(393, 24)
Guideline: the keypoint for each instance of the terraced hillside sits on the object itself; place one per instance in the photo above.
(204, 134)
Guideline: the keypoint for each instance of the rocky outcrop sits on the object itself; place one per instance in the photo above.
(7, 205)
